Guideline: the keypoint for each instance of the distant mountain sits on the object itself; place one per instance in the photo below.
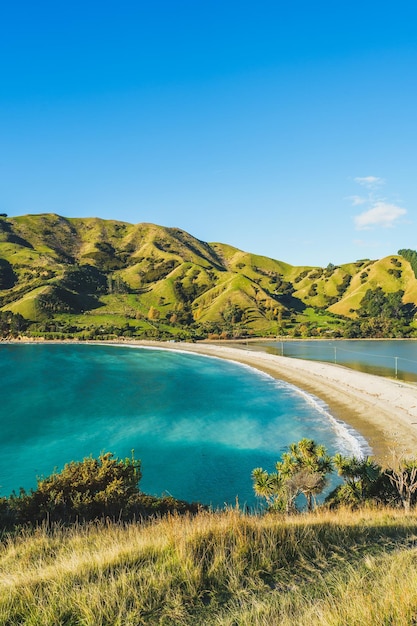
(93, 277)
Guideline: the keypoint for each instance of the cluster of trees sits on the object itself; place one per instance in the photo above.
(381, 315)
(411, 257)
(7, 276)
(158, 270)
(108, 488)
(12, 324)
(85, 279)
(106, 256)
(103, 488)
(188, 291)
(304, 471)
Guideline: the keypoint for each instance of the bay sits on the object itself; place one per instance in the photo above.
(199, 425)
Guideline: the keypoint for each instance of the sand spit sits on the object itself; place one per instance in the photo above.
(382, 410)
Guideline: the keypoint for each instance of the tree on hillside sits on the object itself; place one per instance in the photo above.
(403, 477)
(83, 490)
(302, 470)
(411, 257)
(308, 464)
(361, 478)
(153, 313)
(12, 324)
(8, 277)
(381, 315)
(269, 486)
(91, 489)
(387, 305)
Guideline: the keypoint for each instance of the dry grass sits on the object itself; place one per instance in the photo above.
(216, 568)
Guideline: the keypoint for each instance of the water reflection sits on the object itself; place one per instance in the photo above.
(389, 358)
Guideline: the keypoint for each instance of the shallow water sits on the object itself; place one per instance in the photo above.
(394, 358)
(198, 424)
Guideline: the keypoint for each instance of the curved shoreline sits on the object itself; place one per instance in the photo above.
(382, 410)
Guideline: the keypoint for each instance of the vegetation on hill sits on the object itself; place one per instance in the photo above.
(92, 489)
(92, 278)
(304, 470)
(140, 562)
(108, 488)
(411, 257)
(221, 569)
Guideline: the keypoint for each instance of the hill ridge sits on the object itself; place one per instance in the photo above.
(162, 281)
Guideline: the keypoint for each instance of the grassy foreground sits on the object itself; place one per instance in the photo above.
(326, 568)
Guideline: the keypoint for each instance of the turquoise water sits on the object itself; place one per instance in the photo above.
(199, 425)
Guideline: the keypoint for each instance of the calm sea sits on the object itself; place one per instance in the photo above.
(198, 424)
(394, 358)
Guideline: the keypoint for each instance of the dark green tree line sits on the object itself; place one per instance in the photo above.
(12, 324)
(411, 257)
(381, 315)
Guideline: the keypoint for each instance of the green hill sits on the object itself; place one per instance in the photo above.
(92, 277)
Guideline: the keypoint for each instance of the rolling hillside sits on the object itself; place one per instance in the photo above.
(106, 277)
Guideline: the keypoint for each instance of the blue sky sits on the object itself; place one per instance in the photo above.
(287, 129)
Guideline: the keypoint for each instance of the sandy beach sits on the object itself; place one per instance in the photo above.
(382, 410)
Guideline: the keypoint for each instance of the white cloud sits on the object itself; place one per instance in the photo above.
(381, 214)
(371, 182)
(356, 200)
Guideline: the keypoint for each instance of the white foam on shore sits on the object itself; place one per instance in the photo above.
(350, 441)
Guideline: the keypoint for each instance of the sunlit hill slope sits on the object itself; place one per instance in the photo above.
(102, 274)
